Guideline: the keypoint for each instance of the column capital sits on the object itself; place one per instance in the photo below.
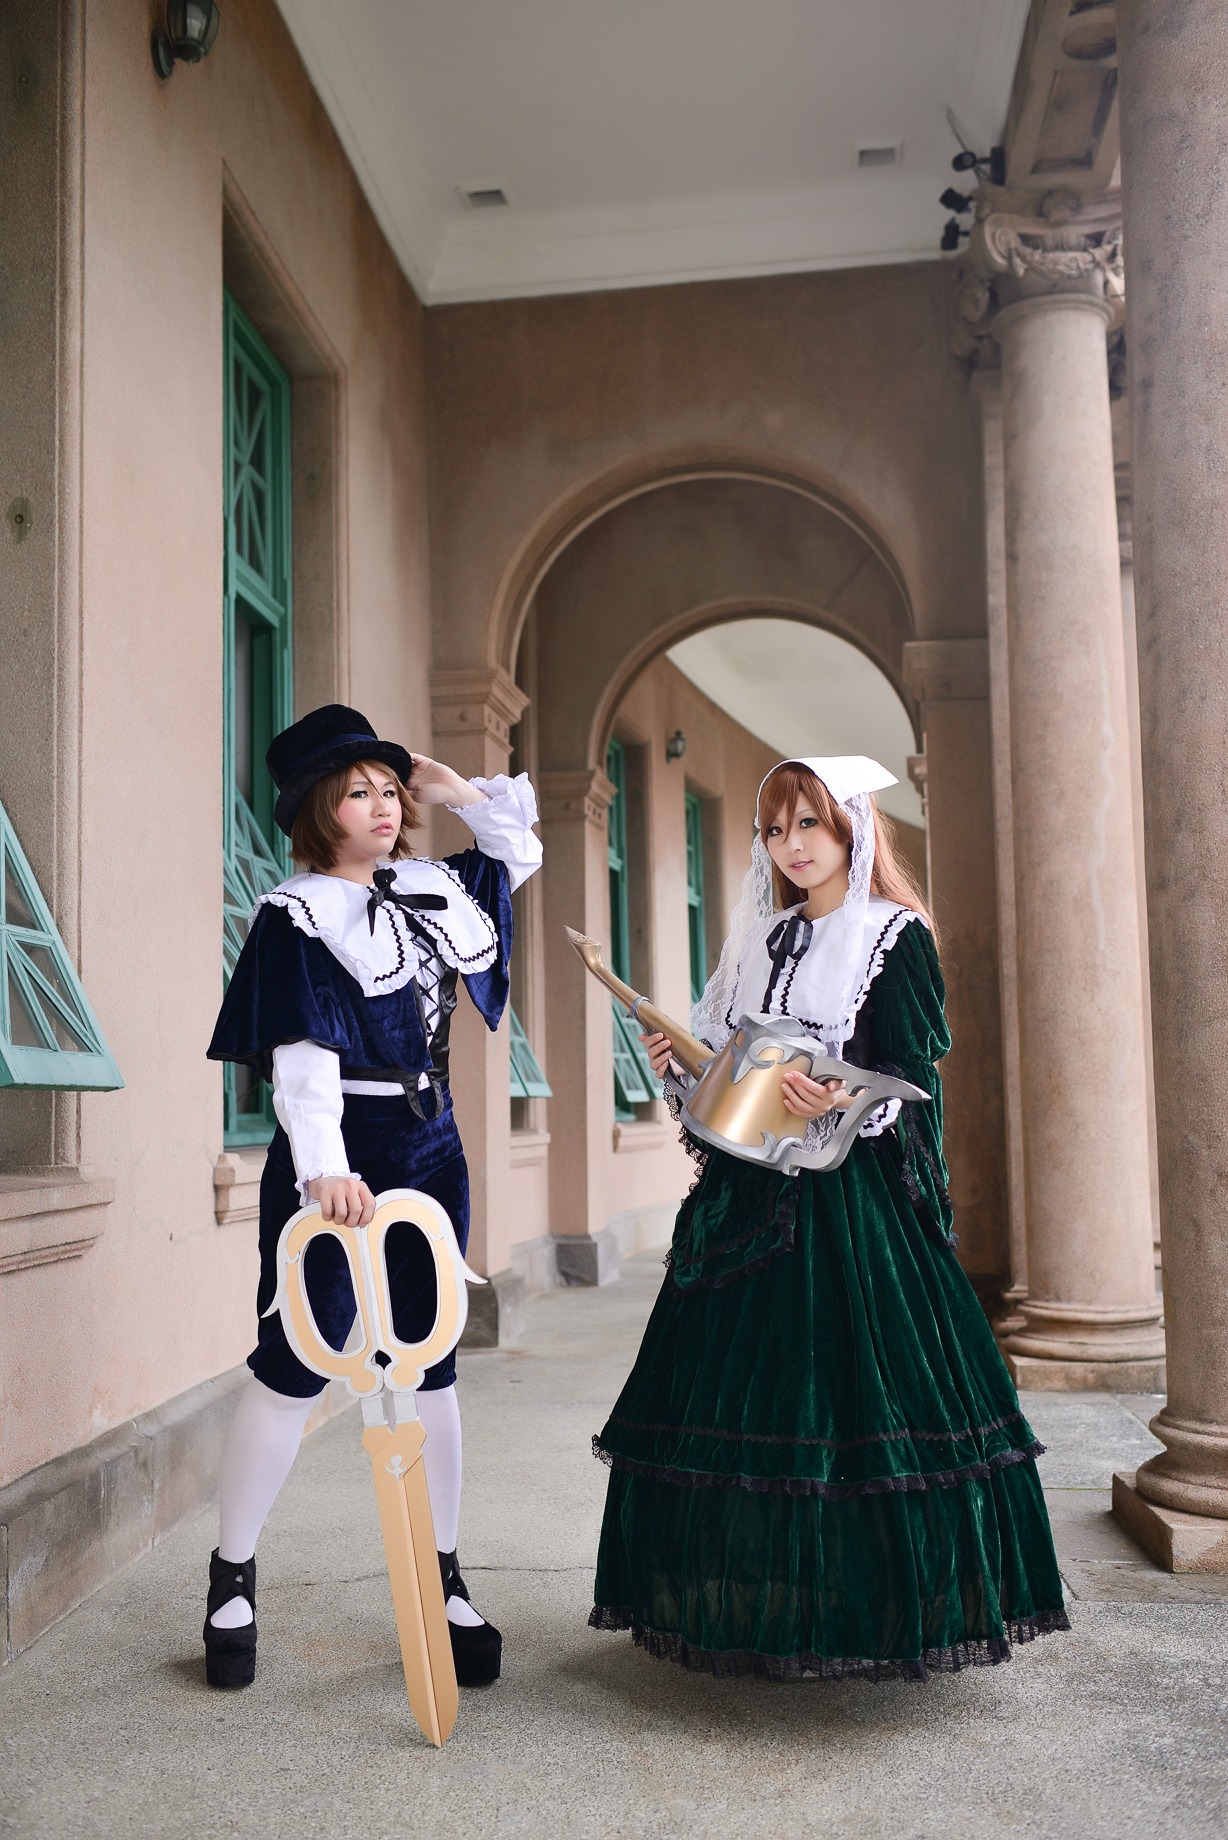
(481, 700)
(947, 670)
(1017, 253)
(577, 795)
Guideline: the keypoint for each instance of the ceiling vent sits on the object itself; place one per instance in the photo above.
(484, 197)
(878, 155)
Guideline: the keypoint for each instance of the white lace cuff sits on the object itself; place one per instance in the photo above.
(325, 1175)
(501, 824)
(881, 1119)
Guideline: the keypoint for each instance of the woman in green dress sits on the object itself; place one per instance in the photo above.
(818, 1463)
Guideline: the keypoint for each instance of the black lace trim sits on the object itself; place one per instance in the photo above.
(397, 969)
(784, 1218)
(437, 931)
(809, 1485)
(872, 1437)
(698, 1153)
(729, 1277)
(287, 896)
(728, 1664)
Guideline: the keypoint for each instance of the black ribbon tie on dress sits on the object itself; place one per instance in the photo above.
(788, 940)
(384, 892)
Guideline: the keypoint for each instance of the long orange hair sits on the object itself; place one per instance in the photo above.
(791, 785)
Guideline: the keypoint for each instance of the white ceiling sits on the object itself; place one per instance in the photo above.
(646, 141)
(804, 691)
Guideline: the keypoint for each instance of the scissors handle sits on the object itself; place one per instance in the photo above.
(365, 1253)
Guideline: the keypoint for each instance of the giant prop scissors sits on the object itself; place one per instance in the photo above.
(393, 1442)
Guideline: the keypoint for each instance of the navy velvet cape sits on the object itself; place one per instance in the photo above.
(287, 986)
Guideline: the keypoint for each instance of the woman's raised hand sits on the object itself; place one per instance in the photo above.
(807, 1098)
(431, 783)
(344, 1199)
(659, 1052)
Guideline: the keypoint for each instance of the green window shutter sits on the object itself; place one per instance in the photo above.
(634, 1083)
(616, 843)
(257, 657)
(49, 1035)
(528, 1080)
(695, 894)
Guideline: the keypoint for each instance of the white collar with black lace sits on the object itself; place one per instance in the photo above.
(384, 960)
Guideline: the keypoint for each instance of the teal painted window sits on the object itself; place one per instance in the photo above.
(695, 895)
(49, 1035)
(528, 1080)
(634, 1081)
(257, 658)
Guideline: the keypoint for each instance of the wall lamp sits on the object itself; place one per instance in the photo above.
(675, 747)
(992, 163)
(191, 27)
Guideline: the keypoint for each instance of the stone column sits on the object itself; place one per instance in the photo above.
(1091, 1313)
(1125, 546)
(950, 680)
(987, 386)
(1174, 72)
(578, 1022)
(472, 715)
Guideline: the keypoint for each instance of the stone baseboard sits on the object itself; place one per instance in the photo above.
(1034, 1375)
(643, 1229)
(72, 1524)
(496, 1312)
(1177, 1542)
(534, 1260)
(587, 1258)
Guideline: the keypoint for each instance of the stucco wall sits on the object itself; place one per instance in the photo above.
(545, 410)
(164, 1298)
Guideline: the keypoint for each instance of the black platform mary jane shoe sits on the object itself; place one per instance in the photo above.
(478, 1652)
(230, 1654)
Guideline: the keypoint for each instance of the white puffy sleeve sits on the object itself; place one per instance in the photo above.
(502, 824)
(307, 1100)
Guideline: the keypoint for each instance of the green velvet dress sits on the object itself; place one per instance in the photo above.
(819, 1464)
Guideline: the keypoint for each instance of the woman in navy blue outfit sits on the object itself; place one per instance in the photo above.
(342, 999)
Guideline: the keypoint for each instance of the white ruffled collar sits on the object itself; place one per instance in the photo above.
(328, 908)
(806, 991)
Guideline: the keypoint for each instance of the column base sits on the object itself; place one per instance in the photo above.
(1177, 1542)
(1041, 1375)
(587, 1258)
(496, 1312)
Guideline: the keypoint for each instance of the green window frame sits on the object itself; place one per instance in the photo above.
(527, 1079)
(257, 658)
(697, 937)
(49, 1035)
(634, 1081)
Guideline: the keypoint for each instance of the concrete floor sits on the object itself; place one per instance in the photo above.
(107, 1728)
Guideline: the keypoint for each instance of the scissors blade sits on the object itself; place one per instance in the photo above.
(413, 1571)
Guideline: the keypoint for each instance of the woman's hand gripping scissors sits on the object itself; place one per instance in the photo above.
(395, 1447)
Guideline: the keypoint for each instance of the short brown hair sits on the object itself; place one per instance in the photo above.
(316, 834)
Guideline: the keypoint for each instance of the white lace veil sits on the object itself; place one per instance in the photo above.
(841, 945)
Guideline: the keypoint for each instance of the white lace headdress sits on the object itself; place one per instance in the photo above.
(838, 952)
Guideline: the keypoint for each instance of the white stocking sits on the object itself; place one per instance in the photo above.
(440, 1415)
(261, 1446)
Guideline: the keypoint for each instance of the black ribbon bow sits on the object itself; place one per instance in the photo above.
(384, 892)
(790, 939)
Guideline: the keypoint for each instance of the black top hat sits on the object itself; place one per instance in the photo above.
(316, 745)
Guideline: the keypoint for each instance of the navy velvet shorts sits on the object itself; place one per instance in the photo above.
(393, 1148)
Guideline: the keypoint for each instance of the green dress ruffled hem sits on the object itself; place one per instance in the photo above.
(819, 1462)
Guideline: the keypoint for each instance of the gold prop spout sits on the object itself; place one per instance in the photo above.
(692, 1054)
